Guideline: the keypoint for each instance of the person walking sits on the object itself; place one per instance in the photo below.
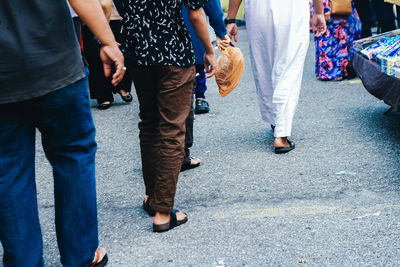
(333, 49)
(214, 12)
(43, 86)
(384, 14)
(100, 86)
(278, 35)
(161, 60)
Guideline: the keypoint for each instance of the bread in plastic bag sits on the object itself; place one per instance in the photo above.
(230, 67)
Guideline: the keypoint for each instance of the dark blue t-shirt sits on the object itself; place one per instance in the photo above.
(39, 52)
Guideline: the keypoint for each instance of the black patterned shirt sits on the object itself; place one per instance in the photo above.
(155, 34)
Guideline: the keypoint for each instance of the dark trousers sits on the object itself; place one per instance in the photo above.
(164, 95)
(384, 14)
(398, 16)
(100, 86)
(189, 133)
(68, 136)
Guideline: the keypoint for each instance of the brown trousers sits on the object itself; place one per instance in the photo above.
(164, 94)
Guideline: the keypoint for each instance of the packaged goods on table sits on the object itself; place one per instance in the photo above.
(360, 44)
(380, 46)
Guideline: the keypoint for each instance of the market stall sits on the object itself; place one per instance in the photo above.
(377, 63)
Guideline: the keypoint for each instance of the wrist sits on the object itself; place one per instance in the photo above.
(209, 50)
(229, 21)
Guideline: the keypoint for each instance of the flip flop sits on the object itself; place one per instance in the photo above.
(97, 263)
(282, 150)
(148, 208)
(171, 224)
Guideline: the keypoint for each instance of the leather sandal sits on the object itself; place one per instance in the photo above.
(171, 224)
(282, 150)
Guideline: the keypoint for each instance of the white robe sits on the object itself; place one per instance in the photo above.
(278, 35)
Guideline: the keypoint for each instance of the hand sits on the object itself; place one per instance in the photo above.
(328, 16)
(210, 64)
(232, 31)
(223, 43)
(111, 55)
(319, 24)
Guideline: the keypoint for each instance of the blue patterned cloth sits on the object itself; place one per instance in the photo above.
(333, 49)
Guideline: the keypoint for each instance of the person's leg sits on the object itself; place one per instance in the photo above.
(124, 87)
(99, 85)
(385, 15)
(20, 232)
(278, 46)
(189, 134)
(290, 54)
(398, 16)
(68, 137)
(145, 82)
(189, 162)
(201, 103)
(175, 91)
(363, 9)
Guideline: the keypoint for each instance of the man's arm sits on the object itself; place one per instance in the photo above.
(91, 12)
(215, 15)
(107, 6)
(232, 11)
(198, 20)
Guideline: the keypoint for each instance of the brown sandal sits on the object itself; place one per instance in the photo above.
(171, 224)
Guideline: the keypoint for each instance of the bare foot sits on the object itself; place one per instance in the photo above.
(98, 256)
(123, 92)
(281, 142)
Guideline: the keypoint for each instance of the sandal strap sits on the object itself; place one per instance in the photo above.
(174, 221)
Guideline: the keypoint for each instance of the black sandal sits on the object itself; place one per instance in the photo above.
(282, 150)
(128, 98)
(188, 164)
(104, 106)
(171, 224)
(148, 208)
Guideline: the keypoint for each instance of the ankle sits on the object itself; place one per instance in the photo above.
(161, 218)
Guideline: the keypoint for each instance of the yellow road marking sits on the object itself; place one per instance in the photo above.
(354, 81)
(299, 211)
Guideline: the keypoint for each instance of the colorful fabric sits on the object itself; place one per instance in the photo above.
(332, 50)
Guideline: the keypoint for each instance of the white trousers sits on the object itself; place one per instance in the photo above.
(278, 35)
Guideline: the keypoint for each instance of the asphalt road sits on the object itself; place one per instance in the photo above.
(333, 201)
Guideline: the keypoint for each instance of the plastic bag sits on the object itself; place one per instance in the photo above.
(230, 67)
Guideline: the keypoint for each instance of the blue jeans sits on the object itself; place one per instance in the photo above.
(201, 86)
(68, 136)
